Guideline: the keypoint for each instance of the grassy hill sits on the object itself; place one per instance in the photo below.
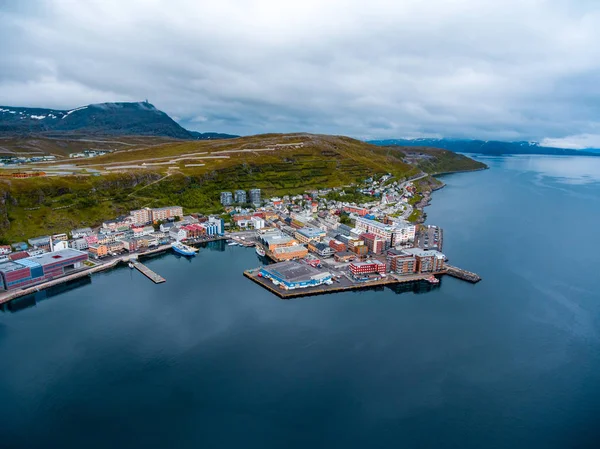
(436, 161)
(191, 174)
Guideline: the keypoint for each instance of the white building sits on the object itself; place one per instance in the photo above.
(80, 244)
(257, 222)
(178, 234)
(81, 232)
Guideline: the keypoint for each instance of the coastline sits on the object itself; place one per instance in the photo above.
(8, 296)
(426, 201)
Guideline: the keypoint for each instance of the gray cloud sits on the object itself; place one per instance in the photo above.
(510, 69)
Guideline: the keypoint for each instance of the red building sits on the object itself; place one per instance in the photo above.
(375, 244)
(403, 264)
(361, 211)
(194, 230)
(337, 246)
(363, 268)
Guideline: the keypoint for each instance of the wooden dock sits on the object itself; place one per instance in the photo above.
(156, 278)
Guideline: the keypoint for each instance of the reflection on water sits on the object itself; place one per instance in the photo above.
(564, 169)
(28, 301)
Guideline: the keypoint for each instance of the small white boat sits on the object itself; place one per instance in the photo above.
(260, 251)
(131, 265)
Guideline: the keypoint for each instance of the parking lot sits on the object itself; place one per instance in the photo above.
(430, 237)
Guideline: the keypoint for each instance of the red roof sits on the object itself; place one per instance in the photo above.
(19, 255)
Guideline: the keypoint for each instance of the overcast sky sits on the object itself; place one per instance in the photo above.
(503, 69)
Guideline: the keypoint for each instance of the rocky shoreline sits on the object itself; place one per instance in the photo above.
(426, 200)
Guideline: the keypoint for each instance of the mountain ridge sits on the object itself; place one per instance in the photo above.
(106, 119)
(486, 147)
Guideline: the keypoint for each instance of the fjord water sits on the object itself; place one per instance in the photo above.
(211, 360)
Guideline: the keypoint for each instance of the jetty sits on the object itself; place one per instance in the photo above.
(464, 275)
(154, 277)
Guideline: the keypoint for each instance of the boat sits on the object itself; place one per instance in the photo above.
(233, 244)
(433, 280)
(260, 251)
(184, 250)
(131, 265)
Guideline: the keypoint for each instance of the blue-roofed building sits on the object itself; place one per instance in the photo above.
(292, 275)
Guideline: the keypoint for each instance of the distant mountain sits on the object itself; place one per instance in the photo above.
(104, 119)
(211, 136)
(490, 147)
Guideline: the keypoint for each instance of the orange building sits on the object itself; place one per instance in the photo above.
(98, 251)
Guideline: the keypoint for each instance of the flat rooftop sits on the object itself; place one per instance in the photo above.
(273, 238)
(292, 271)
(422, 252)
(57, 256)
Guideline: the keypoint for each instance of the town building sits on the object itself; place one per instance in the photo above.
(33, 270)
(130, 245)
(363, 269)
(308, 234)
(276, 239)
(375, 244)
(343, 229)
(294, 275)
(257, 222)
(290, 252)
(240, 196)
(226, 198)
(360, 211)
(98, 251)
(177, 233)
(81, 232)
(40, 242)
(344, 256)
(321, 249)
(427, 261)
(193, 231)
(403, 264)
(19, 246)
(166, 227)
(255, 197)
(166, 213)
(146, 215)
(337, 246)
(141, 216)
(399, 232)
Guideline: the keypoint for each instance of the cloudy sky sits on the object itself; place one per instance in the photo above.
(502, 69)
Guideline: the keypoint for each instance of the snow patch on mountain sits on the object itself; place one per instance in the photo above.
(73, 110)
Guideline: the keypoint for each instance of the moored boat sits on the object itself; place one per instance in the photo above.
(260, 251)
(433, 280)
(184, 250)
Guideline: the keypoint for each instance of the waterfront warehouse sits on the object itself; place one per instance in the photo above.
(32, 270)
(292, 275)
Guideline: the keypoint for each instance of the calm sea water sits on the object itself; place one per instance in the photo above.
(210, 360)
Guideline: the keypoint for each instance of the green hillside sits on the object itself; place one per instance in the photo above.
(436, 160)
(30, 207)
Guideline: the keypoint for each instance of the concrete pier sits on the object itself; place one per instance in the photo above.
(156, 278)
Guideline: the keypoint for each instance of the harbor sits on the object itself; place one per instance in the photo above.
(347, 283)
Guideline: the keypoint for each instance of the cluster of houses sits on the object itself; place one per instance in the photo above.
(142, 228)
